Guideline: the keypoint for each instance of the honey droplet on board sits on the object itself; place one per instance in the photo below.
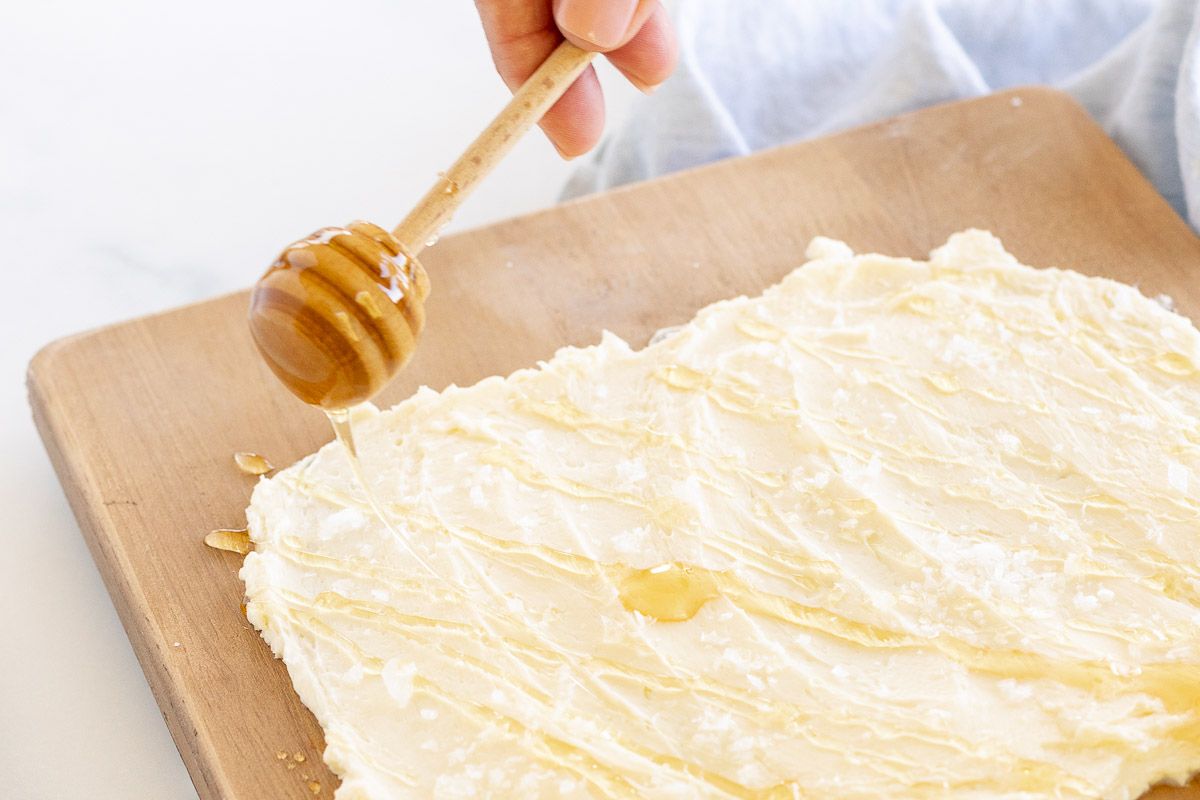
(281, 755)
(252, 463)
(667, 592)
(299, 758)
(314, 787)
(230, 540)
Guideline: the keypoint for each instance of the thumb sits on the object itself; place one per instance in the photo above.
(601, 24)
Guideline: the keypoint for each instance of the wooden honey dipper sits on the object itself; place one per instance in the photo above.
(338, 314)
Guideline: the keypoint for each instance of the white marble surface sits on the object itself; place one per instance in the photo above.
(156, 153)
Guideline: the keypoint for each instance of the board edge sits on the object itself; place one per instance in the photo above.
(131, 606)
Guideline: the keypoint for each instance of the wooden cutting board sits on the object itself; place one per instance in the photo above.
(141, 419)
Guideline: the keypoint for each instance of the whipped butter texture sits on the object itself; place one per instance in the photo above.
(893, 529)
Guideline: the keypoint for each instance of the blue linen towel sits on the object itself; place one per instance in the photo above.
(760, 73)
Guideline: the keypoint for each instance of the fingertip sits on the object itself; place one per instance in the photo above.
(600, 25)
(575, 123)
(651, 56)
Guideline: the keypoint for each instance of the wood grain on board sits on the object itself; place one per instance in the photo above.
(141, 419)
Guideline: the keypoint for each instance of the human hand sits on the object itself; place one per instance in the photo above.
(635, 35)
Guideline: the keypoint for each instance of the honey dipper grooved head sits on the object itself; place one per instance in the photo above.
(338, 314)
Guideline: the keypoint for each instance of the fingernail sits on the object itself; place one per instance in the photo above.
(602, 23)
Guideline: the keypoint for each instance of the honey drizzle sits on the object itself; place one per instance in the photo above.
(676, 592)
(1167, 681)
(525, 473)
(1030, 775)
(549, 748)
(639, 591)
(1037, 507)
(856, 505)
(730, 396)
(340, 419)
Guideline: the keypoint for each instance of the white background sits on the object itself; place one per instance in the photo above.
(154, 153)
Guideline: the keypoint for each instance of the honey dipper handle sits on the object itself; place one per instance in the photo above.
(532, 100)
